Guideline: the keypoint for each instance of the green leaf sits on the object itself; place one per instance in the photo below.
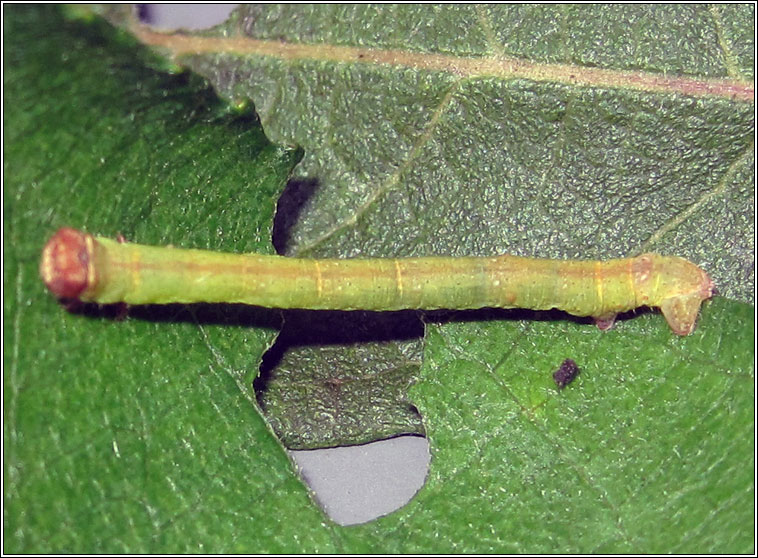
(133, 436)
(650, 449)
(413, 161)
(554, 131)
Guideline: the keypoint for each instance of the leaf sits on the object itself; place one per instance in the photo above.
(583, 131)
(132, 436)
(398, 149)
(650, 449)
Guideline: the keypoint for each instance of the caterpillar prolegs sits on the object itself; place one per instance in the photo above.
(78, 265)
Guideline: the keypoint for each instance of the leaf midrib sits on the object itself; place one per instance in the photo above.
(468, 67)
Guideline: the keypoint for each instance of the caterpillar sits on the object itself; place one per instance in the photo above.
(79, 266)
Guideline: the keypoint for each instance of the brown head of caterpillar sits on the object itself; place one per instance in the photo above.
(675, 285)
(65, 265)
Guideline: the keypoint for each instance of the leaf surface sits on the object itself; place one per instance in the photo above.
(552, 131)
(134, 436)
(651, 447)
(141, 436)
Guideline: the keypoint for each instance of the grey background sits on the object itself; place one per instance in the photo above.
(352, 484)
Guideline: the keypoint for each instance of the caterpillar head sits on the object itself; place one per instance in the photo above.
(65, 265)
(675, 285)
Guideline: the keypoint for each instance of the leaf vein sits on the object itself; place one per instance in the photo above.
(678, 219)
(486, 25)
(13, 379)
(730, 60)
(180, 44)
(393, 181)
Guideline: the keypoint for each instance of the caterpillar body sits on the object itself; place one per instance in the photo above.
(78, 265)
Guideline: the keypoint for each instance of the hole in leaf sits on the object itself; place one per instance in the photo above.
(293, 201)
(360, 483)
(341, 378)
(184, 16)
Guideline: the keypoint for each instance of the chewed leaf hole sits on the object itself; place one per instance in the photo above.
(357, 484)
(341, 378)
(184, 16)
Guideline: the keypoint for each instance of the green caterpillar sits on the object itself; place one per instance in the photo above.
(78, 265)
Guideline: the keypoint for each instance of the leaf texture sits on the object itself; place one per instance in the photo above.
(141, 436)
(553, 131)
